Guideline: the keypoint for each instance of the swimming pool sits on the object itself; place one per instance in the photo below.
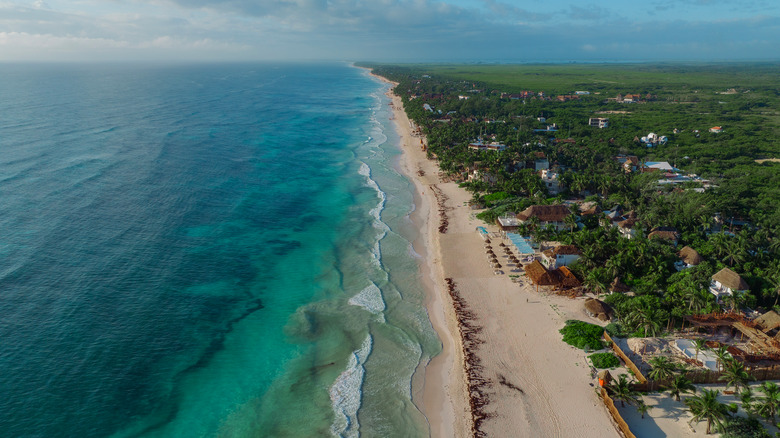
(521, 243)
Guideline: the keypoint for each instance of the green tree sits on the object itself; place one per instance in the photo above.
(623, 390)
(707, 407)
(662, 368)
(642, 408)
(767, 405)
(722, 354)
(734, 374)
(680, 384)
(699, 345)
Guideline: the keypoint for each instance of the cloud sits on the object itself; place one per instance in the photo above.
(395, 30)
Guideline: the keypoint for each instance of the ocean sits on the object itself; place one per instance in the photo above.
(205, 251)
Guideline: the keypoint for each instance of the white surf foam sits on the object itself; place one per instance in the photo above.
(376, 212)
(346, 393)
(370, 299)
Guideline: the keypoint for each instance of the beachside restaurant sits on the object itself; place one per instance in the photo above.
(561, 278)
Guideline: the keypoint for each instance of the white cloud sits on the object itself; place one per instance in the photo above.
(413, 30)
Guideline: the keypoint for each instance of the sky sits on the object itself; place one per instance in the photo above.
(389, 30)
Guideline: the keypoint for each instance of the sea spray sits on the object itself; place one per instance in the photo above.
(346, 393)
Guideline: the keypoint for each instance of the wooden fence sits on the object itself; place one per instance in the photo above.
(638, 374)
(621, 423)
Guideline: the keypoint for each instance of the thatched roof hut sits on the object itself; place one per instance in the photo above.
(591, 211)
(628, 223)
(539, 274)
(730, 279)
(619, 286)
(690, 256)
(768, 321)
(598, 309)
(663, 234)
(545, 213)
(566, 278)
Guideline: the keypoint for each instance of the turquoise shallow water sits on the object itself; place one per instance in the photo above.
(205, 251)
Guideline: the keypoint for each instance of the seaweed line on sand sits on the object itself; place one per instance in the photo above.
(478, 384)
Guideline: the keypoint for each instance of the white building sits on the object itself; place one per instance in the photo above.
(552, 181)
(563, 255)
(598, 122)
(726, 282)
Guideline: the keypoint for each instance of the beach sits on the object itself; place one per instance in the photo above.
(533, 383)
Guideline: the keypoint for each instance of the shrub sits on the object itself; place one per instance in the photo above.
(604, 360)
(615, 329)
(583, 335)
(741, 427)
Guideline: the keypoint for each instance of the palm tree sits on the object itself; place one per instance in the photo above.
(747, 397)
(643, 318)
(679, 385)
(768, 405)
(571, 221)
(699, 345)
(734, 253)
(663, 368)
(595, 281)
(707, 407)
(622, 390)
(722, 354)
(734, 374)
(642, 408)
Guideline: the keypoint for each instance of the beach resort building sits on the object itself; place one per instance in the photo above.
(598, 122)
(554, 215)
(664, 233)
(688, 258)
(508, 222)
(541, 162)
(560, 278)
(479, 145)
(551, 181)
(630, 163)
(628, 227)
(563, 255)
(726, 282)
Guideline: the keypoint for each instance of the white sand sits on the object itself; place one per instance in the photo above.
(521, 340)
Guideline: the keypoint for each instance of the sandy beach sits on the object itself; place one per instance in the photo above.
(534, 384)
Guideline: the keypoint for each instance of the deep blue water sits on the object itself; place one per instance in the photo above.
(181, 247)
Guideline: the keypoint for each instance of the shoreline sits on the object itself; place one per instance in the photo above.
(532, 383)
(439, 387)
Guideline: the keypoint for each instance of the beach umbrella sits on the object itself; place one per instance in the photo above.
(487, 241)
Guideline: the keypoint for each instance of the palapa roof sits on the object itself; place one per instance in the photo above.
(598, 309)
(667, 235)
(690, 256)
(591, 211)
(628, 223)
(730, 279)
(768, 321)
(566, 278)
(545, 213)
(539, 274)
(619, 286)
(566, 250)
